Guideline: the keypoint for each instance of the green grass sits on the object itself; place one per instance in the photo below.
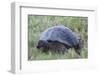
(71, 54)
(37, 24)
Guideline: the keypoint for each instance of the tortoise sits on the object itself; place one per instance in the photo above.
(60, 36)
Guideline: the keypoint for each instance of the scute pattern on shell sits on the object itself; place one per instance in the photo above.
(61, 34)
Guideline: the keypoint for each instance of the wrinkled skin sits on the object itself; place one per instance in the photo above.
(54, 47)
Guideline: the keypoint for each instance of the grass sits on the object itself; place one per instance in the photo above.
(37, 24)
(38, 55)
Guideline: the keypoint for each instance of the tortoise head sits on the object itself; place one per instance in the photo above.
(41, 43)
(79, 46)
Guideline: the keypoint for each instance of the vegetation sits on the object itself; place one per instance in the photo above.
(37, 24)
